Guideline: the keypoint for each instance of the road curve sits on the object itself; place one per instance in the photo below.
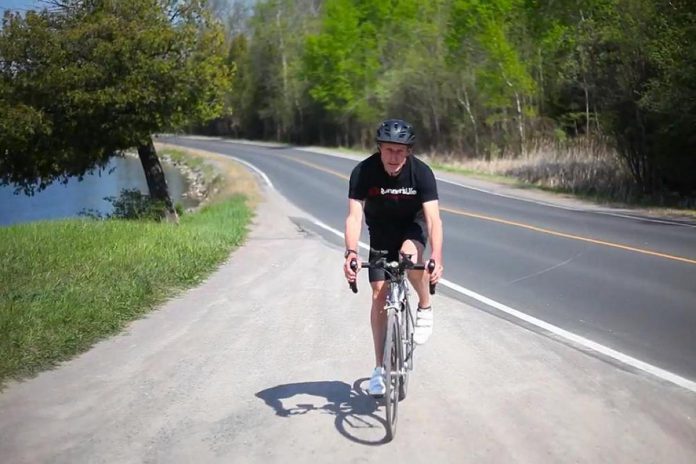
(626, 283)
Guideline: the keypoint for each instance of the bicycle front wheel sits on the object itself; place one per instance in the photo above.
(392, 368)
(406, 340)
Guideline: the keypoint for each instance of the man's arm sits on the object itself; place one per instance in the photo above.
(352, 234)
(353, 223)
(431, 211)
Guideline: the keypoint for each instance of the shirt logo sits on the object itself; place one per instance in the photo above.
(399, 191)
(403, 193)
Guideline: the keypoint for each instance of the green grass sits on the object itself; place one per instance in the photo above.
(66, 284)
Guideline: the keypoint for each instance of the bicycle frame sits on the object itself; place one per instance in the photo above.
(398, 303)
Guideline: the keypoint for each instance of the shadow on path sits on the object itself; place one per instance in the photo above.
(356, 412)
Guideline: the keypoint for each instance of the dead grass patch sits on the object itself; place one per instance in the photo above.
(580, 168)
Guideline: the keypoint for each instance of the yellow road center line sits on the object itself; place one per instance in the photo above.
(520, 224)
(316, 166)
(564, 235)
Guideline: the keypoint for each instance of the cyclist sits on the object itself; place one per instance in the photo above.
(398, 195)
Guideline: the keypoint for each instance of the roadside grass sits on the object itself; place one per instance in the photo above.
(66, 284)
(587, 171)
(583, 166)
(478, 174)
(554, 178)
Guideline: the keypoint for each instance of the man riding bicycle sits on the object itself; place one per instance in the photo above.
(397, 193)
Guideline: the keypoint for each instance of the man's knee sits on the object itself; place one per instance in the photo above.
(379, 291)
(414, 249)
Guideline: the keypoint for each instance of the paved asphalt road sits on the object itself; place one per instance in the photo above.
(627, 283)
(266, 362)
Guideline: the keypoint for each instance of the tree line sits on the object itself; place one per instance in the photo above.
(85, 79)
(478, 78)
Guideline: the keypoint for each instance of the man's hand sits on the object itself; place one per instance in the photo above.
(431, 209)
(350, 274)
(437, 272)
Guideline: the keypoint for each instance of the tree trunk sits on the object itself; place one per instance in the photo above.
(540, 104)
(466, 103)
(282, 117)
(520, 117)
(587, 106)
(520, 125)
(156, 182)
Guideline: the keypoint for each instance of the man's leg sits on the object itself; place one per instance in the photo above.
(378, 318)
(420, 280)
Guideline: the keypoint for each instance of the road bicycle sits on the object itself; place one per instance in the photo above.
(398, 342)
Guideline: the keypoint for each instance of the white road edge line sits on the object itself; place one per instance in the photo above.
(255, 169)
(570, 336)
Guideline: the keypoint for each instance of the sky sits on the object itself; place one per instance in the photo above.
(21, 5)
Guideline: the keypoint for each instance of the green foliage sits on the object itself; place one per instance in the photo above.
(83, 81)
(341, 61)
(670, 95)
(132, 204)
(479, 77)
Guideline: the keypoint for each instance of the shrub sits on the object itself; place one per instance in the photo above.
(134, 205)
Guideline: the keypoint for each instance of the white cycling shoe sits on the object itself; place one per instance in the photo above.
(376, 386)
(424, 326)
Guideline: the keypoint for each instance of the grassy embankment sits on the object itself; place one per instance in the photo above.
(66, 284)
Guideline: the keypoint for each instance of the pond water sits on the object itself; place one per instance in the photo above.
(63, 201)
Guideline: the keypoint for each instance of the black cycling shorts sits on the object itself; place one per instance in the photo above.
(391, 240)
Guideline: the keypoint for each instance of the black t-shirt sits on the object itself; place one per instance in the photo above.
(392, 201)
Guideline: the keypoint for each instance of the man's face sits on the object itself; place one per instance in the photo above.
(393, 156)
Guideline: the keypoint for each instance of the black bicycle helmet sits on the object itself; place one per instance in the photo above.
(396, 131)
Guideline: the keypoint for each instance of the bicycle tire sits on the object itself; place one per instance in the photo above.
(392, 360)
(407, 350)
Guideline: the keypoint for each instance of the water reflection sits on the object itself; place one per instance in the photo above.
(61, 201)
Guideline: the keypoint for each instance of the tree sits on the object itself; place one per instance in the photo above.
(344, 60)
(670, 96)
(82, 82)
(487, 45)
(415, 82)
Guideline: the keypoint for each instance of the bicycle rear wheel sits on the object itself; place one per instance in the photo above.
(392, 368)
